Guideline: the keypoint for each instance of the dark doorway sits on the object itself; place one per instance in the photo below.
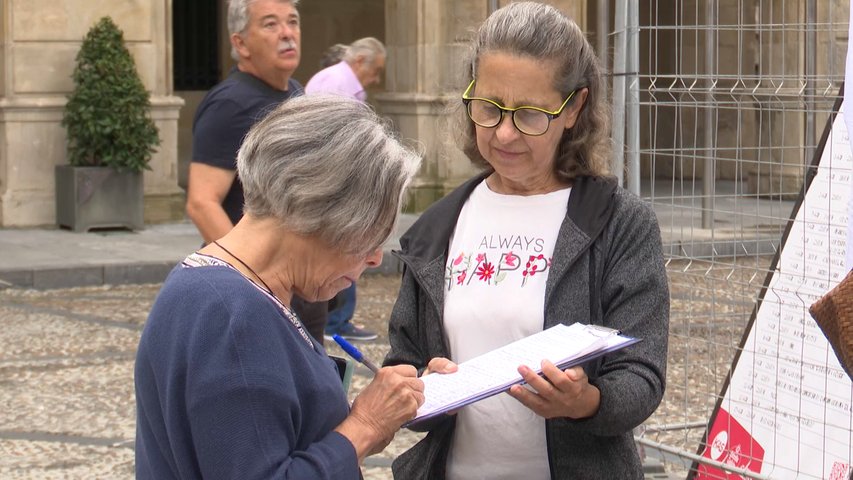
(195, 31)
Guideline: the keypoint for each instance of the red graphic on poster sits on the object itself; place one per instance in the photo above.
(839, 471)
(731, 444)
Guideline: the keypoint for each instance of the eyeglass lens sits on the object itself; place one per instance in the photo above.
(527, 120)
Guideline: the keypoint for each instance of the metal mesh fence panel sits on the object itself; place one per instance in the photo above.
(729, 99)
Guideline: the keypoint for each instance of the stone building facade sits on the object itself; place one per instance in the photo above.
(425, 40)
(40, 39)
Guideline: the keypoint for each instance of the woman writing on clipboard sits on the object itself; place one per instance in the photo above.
(540, 237)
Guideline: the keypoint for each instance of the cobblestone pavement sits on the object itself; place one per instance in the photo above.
(66, 369)
(66, 378)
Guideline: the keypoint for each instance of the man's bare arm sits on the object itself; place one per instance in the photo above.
(207, 188)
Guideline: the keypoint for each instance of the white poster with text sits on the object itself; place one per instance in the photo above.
(786, 412)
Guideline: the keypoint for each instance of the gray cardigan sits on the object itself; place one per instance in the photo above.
(607, 270)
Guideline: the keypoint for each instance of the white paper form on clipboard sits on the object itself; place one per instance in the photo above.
(494, 372)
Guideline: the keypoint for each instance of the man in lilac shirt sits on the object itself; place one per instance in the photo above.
(360, 68)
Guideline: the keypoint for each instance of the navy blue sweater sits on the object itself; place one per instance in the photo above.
(227, 387)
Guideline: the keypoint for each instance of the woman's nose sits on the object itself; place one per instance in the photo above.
(374, 259)
(506, 130)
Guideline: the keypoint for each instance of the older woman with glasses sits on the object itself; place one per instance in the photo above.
(541, 237)
(228, 382)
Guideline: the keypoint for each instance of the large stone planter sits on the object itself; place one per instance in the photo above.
(98, 197)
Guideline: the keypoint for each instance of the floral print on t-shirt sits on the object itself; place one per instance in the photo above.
(494, 266)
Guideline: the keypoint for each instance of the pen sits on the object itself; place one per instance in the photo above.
(355, 353)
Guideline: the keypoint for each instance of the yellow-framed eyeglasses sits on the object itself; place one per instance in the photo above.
(532, 121)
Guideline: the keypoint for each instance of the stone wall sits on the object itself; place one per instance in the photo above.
(40, 39)
(426, 40)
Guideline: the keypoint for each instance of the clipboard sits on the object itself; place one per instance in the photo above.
(496, 371)
(345, 368)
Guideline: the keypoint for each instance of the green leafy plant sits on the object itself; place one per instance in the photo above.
(106, 116)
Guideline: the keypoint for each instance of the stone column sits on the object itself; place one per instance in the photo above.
(40, 39)
(426, 41)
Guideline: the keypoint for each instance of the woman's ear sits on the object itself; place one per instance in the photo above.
(574, 108)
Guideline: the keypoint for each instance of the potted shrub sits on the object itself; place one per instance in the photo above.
(110, 137)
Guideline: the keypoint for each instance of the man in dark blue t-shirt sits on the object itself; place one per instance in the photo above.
(222, 120)
(265, 41)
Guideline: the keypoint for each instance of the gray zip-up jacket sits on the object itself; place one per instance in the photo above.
(607, 269)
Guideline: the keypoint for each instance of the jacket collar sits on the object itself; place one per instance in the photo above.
(591, 203)
(590, 207)
(428, 237)
(424, 245)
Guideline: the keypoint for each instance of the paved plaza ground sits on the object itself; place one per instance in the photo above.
(72, 307)
(66, 378)
(66, 371)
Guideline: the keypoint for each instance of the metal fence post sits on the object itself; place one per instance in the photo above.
(617, 165)
(811, 72)
(603, 32)
(709, 171)
(491, 6)
(632, 113)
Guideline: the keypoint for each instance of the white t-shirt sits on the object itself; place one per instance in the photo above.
(495, 277)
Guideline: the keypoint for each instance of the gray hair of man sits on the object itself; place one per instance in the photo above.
(543, 33)
(238, 18)
(333, 55)
(327, 166)
(368, 47)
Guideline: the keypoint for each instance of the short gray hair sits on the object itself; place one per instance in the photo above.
(333, 55)
(368, 47)
(238, 18)
(329, 167)
(543, 33)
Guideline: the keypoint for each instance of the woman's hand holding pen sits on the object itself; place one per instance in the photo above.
(561, 393)
(390, 400)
